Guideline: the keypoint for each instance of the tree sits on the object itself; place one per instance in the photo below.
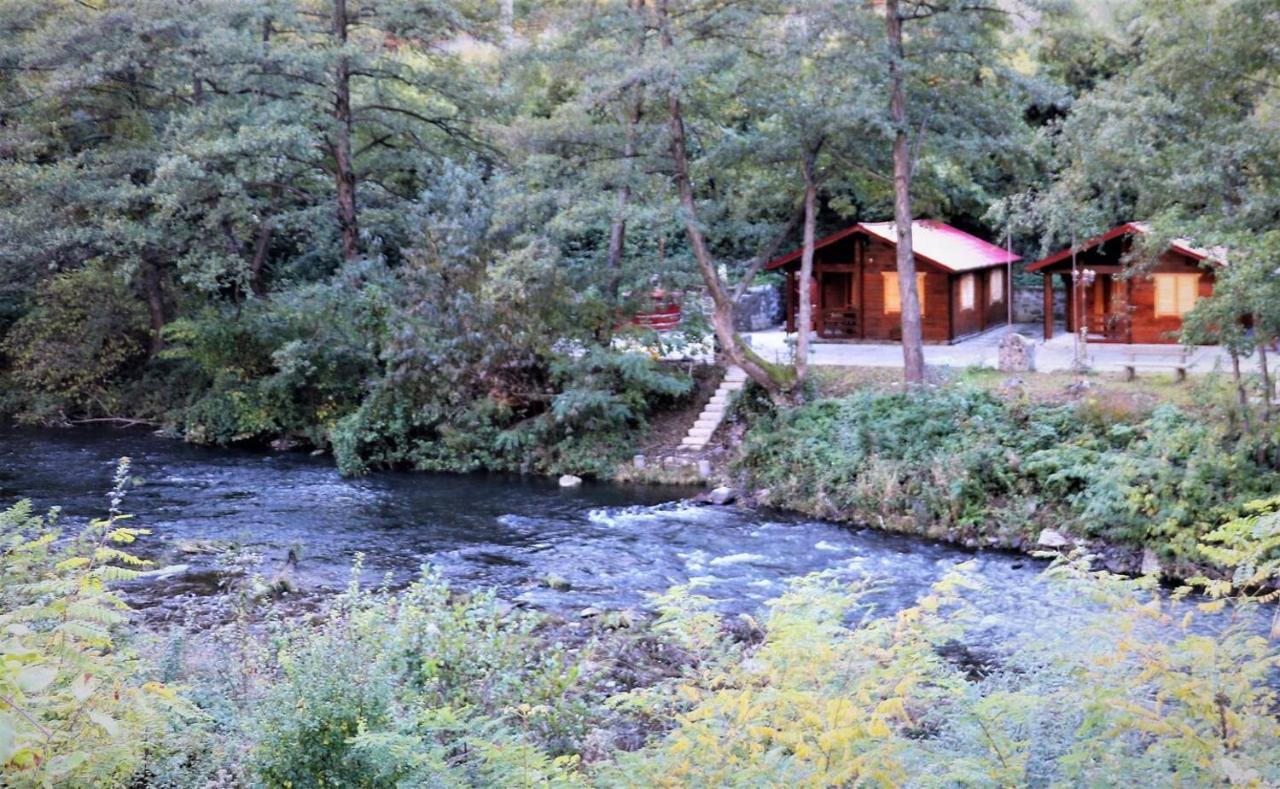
(1190, 146)
(946, 87)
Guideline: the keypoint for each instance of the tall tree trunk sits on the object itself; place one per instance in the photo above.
(773, 378)
(1267, 390)
(805, 319)
(912, 332)
(257, 282)
(1242, 395)
(618, 229)
(343, 165)
(507, 21)
(153, 289)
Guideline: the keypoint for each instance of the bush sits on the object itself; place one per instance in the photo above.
(961, 462)
(834, 697)
(418, 688)
(79, 707)
(85, 332)
(289, 368)
(579, 423)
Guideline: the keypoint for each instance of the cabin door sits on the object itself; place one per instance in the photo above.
(1107, 311)
(837, 313)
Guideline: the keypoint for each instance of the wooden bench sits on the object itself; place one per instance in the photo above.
(1177, 360)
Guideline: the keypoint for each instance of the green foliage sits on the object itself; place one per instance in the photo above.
(834, 696)
(85, 331)
(420, 687)
(289, 368)
(964, 463)
(580, 423)
(430, 686)
(78, 709)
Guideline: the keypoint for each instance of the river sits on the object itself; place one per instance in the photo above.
(611, 544)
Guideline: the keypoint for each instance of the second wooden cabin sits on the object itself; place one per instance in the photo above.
(1121, 301)
(962, 280)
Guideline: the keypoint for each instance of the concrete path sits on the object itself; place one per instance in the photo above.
(983, 350)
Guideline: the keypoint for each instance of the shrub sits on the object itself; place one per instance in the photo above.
(420, 687)
(78, 706)
(85, 331)
(962, 462)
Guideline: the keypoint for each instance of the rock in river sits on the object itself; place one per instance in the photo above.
(570, 481)
(1151, 563)
(1052, 539)
(721, 496)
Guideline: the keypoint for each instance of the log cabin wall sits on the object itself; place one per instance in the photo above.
(936, 321)
(1147, 327)
(853, 268)
(967, 317)
(997, 310)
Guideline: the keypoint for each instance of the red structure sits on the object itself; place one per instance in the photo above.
(1117, 303)
(662, 313)
(962, 280)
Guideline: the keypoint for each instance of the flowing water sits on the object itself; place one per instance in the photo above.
(611, 544)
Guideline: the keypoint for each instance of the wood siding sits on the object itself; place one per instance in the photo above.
(1147, 326)
(852, 270)
(1133, 297)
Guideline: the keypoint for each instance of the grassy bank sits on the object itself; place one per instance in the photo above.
(1131, 466)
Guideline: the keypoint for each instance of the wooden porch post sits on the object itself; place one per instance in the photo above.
(1048, 306)
(1071, 304)
(791, 302)
(819, 309)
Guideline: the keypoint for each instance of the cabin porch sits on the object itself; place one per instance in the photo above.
(1099, 303)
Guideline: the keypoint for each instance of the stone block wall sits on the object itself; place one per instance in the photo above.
(761, 307)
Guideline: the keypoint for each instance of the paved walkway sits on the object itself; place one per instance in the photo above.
(982, 351)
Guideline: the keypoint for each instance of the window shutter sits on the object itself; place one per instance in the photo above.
(892, 298)
(1188, 292)
(1166, 295)
(966, 292)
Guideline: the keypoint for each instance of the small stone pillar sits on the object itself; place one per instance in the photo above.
(1017, 354)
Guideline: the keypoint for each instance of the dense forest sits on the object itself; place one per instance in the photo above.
(413, 234)
(378, 227)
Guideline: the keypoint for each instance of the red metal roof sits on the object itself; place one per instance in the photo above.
(938, 243)
(1180, 245)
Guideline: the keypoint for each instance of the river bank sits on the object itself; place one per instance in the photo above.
(1134, 474)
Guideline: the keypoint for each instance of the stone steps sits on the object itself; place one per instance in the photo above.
(700, 434)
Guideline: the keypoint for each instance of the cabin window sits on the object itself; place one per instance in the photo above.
(1176, 294)
(893, 297)
(997, 286)
(967, 292)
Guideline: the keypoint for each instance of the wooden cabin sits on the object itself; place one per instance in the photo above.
(1117, 303)
(962, 280)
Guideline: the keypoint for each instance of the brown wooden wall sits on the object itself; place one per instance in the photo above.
(936, 321)
(1138, 291)
(1147, 328)
(867, 259)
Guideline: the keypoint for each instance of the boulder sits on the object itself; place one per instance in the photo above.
(721, 496)
(165, 572)
(1017, 354)
(570, 481)
(556, 582)
(1052, 539)
(1151, 563)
